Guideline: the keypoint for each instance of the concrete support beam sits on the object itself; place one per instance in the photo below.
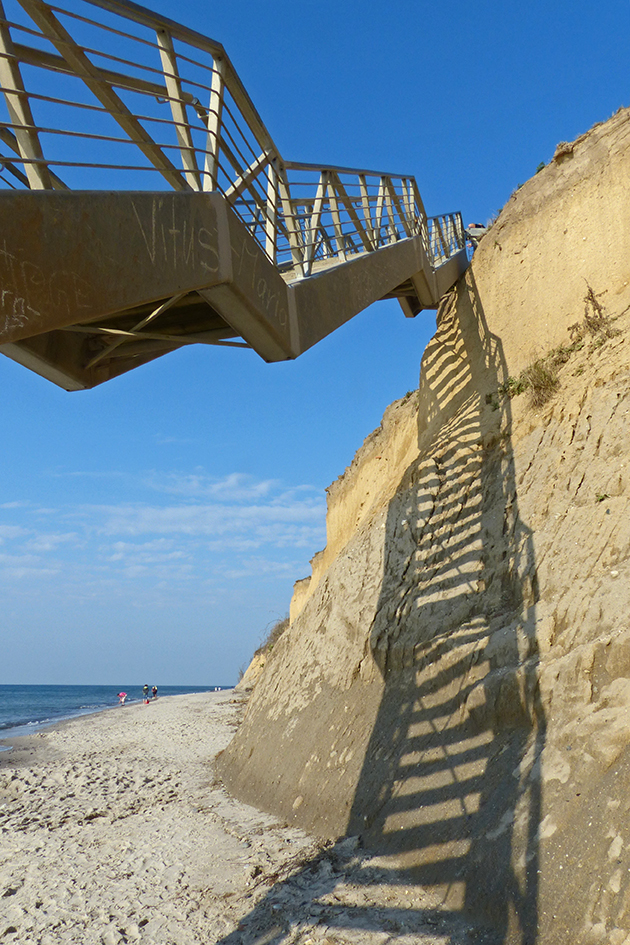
(95, 258)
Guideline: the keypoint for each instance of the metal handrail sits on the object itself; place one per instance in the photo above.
(52, 67)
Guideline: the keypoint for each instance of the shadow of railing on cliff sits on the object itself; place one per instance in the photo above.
(449, 792)
(450, 785)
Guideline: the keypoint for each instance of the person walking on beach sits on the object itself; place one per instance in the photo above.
(145, 692)
(154, 692)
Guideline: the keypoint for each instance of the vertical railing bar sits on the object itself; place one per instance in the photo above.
(441, 236)
(424, 224)
(460, 232)
(287, 212)
(19, 109)
(11, 141)
(408, 205)
(367, 208)
(345, 199)
(178, 109)
(380, 202)
(84, 69)
(316, 216)
(391, 227)
(334, 211)
(215, 107)
(396, 201)
(271, 230)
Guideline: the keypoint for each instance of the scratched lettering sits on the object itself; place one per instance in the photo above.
(207, 241)
(189, 248)
(172, 240)
(26, 290)
(149, 241)
(248, 268)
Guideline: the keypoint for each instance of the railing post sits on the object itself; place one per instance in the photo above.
(459, 229)
(334, 212)
(314, 223)
(387, 201)
(289, 221)
(438, 225)
(367, 209)
(83, 67)
(380, 204)
(350, 210)
(271, 214)
(408, 205)
(19, 109)
(178, 109)
(395, 202)
(215, 107)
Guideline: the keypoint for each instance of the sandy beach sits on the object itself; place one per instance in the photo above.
(114, 829)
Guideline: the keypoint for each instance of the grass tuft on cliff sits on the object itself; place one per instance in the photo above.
(540, 378)
(274, 634)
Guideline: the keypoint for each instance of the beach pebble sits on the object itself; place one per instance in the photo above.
(110, 937)
(132, 933)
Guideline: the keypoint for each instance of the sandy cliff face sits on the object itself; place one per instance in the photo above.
(454, 685)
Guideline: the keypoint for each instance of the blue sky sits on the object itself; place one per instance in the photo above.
(154, 527)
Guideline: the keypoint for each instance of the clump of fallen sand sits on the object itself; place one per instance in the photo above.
(114, 830)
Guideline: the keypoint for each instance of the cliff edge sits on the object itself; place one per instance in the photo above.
(454, 687)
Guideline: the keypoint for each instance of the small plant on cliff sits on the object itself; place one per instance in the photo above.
(513, 387)
(541, 381)
(273, 635)
(539, 378)
(595, 323)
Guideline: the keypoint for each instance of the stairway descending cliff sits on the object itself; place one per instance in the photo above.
(144, 205)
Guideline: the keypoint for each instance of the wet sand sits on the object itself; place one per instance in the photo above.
(113, 829)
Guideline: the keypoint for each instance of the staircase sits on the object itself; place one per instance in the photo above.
(144, 205)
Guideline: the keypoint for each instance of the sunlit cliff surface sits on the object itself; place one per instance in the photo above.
(455, 683)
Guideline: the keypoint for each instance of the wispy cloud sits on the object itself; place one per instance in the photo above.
(50, 542)
(236, 487)
(11, 531)
(201, 530)
(272, 522)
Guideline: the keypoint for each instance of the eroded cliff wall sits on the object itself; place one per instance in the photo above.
(454, 684)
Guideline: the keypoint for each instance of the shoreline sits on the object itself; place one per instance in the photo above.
(24, 741)
(12, 734)
(114, 829)
(14, 731)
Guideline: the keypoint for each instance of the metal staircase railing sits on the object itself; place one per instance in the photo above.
(104, 94)
(145, 206)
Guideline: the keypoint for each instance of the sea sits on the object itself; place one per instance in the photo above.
(27, 709)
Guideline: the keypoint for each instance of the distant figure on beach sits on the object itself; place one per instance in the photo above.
(121, 698)
(154, 692)
(145, 692)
